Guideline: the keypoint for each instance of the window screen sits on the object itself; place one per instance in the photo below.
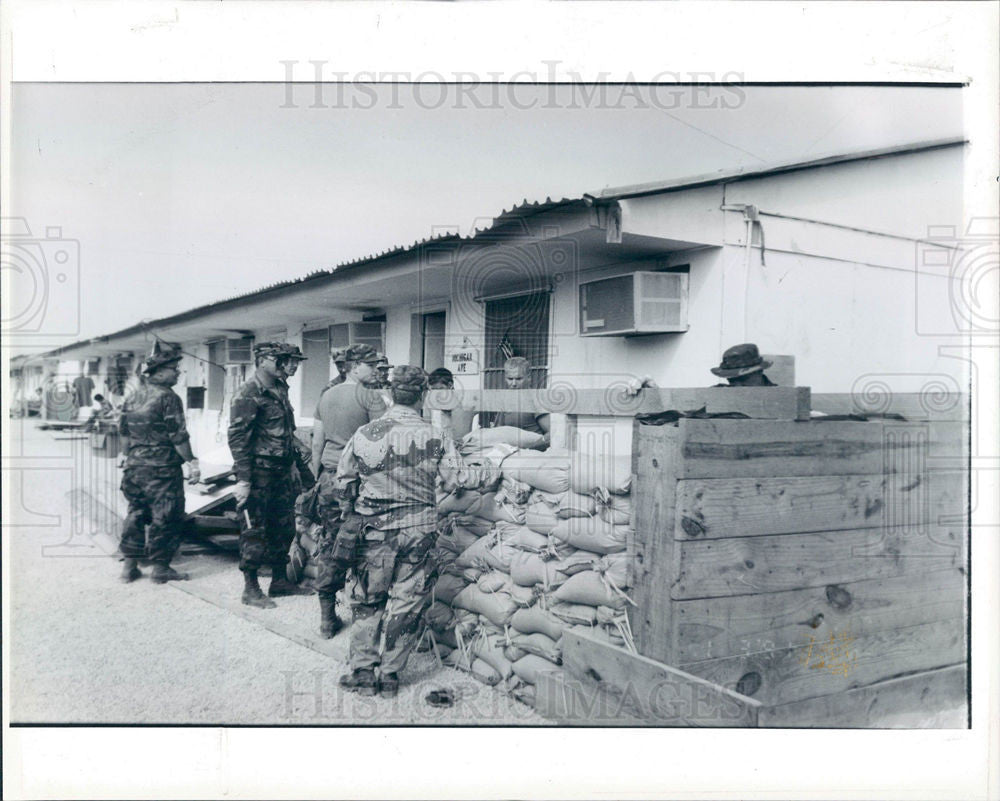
(517, 326)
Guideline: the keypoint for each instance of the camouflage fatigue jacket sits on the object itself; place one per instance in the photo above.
(394, 463)
(153, 421)
(262, 431)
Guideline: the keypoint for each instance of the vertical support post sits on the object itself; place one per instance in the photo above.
(561, 430)
(655, 452)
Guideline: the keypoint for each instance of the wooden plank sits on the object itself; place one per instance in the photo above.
(751, 565)
(931, 699)
(765, 448)
(651, 541)
(823, 667)
(911, 405)
(214, 522)
(738, 625)
(651, 690)
(748, 507)
(774, 403)
(573, 703)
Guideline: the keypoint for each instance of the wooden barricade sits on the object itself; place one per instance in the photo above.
(788, 570)
(797, 561)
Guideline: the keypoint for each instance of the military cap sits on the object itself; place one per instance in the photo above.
(362, 353)
(408, 377)
(264, 349)
(339, 355)
(293, 352)
(163, 354)
(741, 360)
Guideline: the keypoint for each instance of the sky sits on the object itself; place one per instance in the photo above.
(183, 194)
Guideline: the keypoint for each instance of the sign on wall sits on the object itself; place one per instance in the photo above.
(463, 361)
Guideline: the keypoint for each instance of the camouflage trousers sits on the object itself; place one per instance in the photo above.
(266, 538)
(393, 581)
(155, 498)
(335, 554)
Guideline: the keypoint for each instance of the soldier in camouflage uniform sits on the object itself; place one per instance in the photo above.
(342, 409)
(262, 442)
(155, 439)
(389, 468)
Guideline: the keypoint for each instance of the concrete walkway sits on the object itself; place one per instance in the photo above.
(86, 649)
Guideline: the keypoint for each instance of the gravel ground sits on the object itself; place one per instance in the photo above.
(86, 649)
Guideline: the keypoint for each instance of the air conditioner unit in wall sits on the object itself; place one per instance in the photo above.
(239, 351)
(344, 334)
(637, 303)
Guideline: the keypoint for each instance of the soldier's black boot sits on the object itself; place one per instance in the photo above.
(329, 623)
(389, 685)
(360, 681)
(252, 595)
(163, 572)
(280, 585)
(130, 571)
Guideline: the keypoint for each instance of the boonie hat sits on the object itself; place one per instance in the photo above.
(741, 360)
(164, 353)
(293, 352)
(269, 349)
(362, 353)
(408, 377)
(339, 355)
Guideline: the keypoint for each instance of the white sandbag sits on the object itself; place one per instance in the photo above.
(439, 616)
(522, 537)
(588, 588)
(485, 672)
(512, 653)
(540, 517)
(530, 667)
(456, 538)
(484, 438)
(591, 534)
(447, 587)
(513, 491)
(528, 621)
(529, 569)
(489, 648)
(614, 567)
(612, 508)
(488, 509)
(475, 525)
(523, 596)
(588, 472)
(494, 581)
(575, 504)
(459, 502)
(573, 614)
(539, 644)
(498, 607)
(548, 471)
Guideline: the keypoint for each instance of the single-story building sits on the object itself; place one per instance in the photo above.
(842, 262)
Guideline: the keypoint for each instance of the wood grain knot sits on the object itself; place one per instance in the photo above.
(749, 683)
(838, 597)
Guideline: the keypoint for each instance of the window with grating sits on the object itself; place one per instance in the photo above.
(517, 326)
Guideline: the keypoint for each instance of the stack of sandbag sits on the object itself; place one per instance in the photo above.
(552, 558)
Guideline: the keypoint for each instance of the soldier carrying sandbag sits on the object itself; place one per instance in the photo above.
(387, 473)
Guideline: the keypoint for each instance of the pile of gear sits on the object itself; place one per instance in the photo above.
(540, 553)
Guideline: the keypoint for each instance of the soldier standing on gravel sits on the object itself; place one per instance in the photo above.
(388, 470)
(156, 441)
(341, 411)
(262, 442)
